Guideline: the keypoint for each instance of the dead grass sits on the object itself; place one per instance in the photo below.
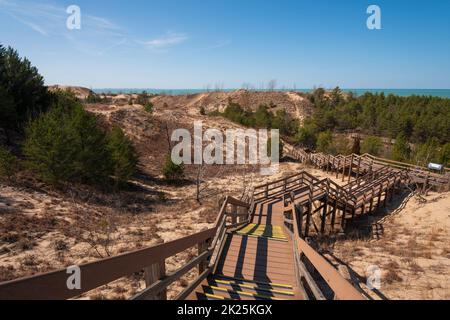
(7, 273)
(392, 276)
(413, 251)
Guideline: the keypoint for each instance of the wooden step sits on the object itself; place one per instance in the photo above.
(238, 295)
(252, 282)
(208, 296)
(252, 288)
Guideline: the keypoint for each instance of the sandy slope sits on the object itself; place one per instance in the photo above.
(410, 246)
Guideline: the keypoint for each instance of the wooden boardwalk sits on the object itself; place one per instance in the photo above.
(360, 165)
(257, 260)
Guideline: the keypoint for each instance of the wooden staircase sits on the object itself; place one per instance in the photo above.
(256, 262)
(226, 288)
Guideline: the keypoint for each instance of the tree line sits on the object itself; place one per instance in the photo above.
(420, 125)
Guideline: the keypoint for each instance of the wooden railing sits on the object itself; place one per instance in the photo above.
(361, 164)
(53, 285)
(305, 256)
(351, 199)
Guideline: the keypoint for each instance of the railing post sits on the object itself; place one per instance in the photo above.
(334, 165)
(337, 168)
(202, 247)
(299, 210)
(241, 213)
(154, 273)
(350, 169)
(267, 191)
(359, 168)
(324, 215)
(234, 214)
(425, 185)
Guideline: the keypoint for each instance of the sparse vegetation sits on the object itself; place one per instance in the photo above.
(171, 171)
(142, 99)
(372, 145)
(401, 150)
(280, 149)
(324, 141)
(8, 163)
(148, 106)
(93, 98)
(261, 118)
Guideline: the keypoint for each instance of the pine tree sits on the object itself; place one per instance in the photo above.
(371, 145)
(66, 145)
(324, 141)
(24, 87)
(171, 171)
(8, 163)
(401, 150)
(123, 156)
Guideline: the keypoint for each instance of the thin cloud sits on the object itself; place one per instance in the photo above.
(221, 44)
(97, 36)
(168, 40)
(48, 19)
(30, 24)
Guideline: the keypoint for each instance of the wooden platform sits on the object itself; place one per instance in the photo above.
(257, 260)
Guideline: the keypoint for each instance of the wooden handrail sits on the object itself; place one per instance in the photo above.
(342, 289)
(53, 285)
(353, 161)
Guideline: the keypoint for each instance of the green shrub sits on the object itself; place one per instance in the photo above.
(234, 112)
(426, 152)
(66, 145)
(263, 118)
(172, 171)
(280, 149)
(372, 145)
(339, 145)
(142, 99)
(202, 111)
(444, 155)
(401, 150)
(93, 98)
(306, 137)
(148, 106)
(8, 163)
(324, 141)
(123, 155)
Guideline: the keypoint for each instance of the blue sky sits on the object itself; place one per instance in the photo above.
(171, 44)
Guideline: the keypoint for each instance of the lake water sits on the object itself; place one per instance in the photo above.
(444, 93)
